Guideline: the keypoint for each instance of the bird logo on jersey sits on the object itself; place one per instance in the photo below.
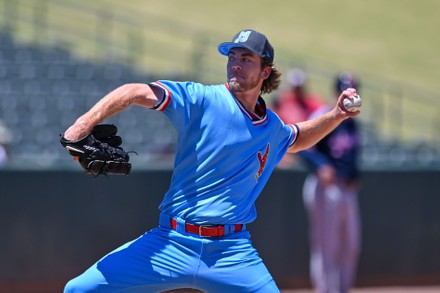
(263, 160)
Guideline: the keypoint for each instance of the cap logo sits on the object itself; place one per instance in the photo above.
(243, 37)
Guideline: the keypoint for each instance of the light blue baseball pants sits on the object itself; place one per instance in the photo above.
(164, 259)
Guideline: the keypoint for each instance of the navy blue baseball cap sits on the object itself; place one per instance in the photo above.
(252, 40)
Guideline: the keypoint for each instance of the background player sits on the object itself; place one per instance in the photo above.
(228, 146)
(331, 200)
(295, 104)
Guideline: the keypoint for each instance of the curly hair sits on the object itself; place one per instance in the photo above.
(273, 81)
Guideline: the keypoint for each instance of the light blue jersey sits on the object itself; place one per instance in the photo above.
(225, 153)
(225, 157)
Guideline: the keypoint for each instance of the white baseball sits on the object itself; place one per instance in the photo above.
(352, 105)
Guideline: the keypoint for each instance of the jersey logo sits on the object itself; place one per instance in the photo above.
(242, 37)
(263, 160)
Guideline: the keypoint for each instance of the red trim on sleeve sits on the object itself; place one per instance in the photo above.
(295, 129)
(166, 100)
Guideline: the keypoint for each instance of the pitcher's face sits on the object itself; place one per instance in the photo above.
(244, 70)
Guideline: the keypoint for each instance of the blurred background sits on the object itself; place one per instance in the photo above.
(59, 57)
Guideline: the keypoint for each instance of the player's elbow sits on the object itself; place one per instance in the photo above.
(300, 145)
(295, 148)
(137, 93)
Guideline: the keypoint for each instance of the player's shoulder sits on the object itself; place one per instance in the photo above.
(192, 86)
(180, 84)
(194, 92)
(273, 117)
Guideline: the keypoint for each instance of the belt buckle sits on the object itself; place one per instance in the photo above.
(200, 230)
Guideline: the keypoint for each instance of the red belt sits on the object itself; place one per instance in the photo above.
(205, 231)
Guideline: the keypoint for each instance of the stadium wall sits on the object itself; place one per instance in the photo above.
(57, 223)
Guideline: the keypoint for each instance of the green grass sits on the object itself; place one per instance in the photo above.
(393, 45)
(391, 39)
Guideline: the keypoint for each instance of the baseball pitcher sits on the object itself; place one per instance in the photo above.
(228, 145)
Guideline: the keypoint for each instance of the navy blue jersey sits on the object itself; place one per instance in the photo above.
(340, 148)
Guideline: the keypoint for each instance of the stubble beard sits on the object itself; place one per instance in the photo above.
(236, 86)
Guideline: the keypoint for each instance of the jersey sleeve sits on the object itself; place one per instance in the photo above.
(295, 133)
(180, 101)
(291, 129)
(287, 134)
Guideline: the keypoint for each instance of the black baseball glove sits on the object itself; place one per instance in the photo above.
(100, 153)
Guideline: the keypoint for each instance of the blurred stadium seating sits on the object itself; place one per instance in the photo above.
(43, 90)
